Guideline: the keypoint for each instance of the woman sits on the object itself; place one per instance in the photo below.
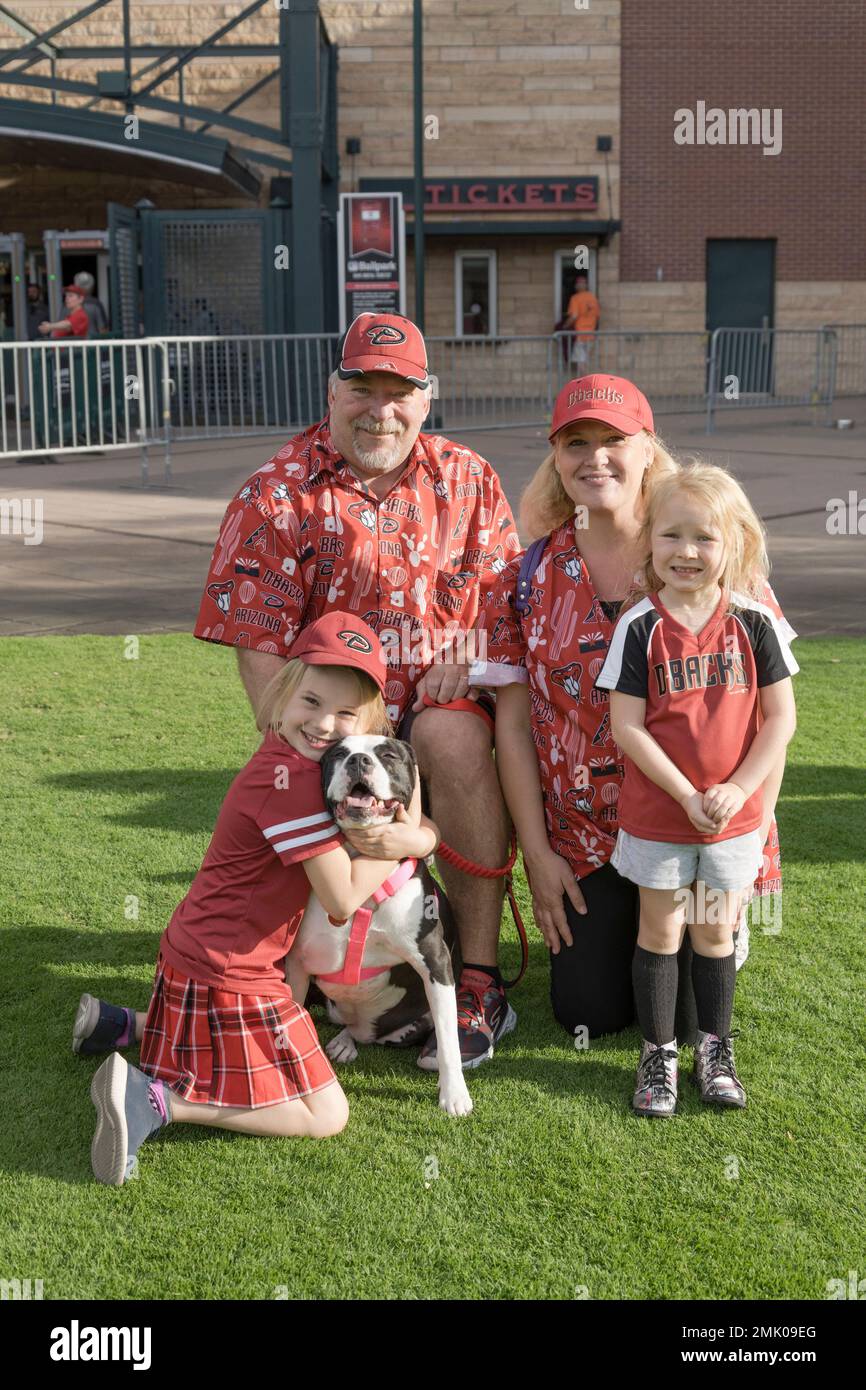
(560, 769)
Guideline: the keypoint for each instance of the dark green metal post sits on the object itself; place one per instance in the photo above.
(301, 128)
(418, 66)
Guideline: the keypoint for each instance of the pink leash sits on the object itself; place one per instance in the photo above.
(352, 972)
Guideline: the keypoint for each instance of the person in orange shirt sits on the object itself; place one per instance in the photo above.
(583, 314)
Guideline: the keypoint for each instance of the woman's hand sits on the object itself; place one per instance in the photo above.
(723, 801)
(549, 877)
(693, 805)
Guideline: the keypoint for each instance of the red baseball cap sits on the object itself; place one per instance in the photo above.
(611, 399)
(74, 289)
(384, 343)
(341, 639)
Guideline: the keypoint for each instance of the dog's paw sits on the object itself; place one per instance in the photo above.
(455, 1099)
(342, 1047)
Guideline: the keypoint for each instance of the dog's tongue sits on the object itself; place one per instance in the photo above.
(367, 800)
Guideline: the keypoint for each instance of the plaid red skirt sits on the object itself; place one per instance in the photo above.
(219, 1048)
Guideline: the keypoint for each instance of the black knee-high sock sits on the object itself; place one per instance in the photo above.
(655, 979)
(686, 1025)
(714, 979)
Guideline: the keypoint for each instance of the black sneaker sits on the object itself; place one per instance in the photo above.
(98, 1026)
(484, 1015)
(128, 1111)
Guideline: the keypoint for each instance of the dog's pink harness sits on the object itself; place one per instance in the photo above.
(352, 972)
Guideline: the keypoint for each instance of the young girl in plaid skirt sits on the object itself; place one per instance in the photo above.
(223, 1042)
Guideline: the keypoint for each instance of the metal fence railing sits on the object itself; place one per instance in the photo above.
(850, 358)
(72, 397)
(770, 367)
(62, 398)
(486, 383)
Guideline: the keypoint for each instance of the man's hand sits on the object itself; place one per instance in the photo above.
(444, 682)
(549, 877)
(693, 805)
(723, 801)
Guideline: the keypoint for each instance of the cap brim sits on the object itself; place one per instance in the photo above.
(627, 423)
(328, 658)
(360, 366)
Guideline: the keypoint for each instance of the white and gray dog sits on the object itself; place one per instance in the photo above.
(406, 984)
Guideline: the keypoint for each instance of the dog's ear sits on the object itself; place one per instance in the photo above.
(411, 751)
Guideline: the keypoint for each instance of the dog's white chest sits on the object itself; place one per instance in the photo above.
(321, 947)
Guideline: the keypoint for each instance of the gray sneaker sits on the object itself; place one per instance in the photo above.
(656, 1087)
(128, 1111)
(715, 1072)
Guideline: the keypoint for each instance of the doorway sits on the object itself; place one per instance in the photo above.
(741, 279)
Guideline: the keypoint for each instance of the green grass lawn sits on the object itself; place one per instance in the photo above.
(113, 772)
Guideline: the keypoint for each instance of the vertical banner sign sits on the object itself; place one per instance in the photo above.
(372, 255)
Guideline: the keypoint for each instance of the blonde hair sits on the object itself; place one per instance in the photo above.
(545, 504)
(280, 689)
(746, 563)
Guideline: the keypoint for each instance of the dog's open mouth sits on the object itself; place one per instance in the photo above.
(363, 807)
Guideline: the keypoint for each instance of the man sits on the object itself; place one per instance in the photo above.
(93, 307)
(76, 324)
(583, 314)
(37, 310)
(363, 513)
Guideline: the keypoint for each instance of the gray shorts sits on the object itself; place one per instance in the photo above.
(729, 865)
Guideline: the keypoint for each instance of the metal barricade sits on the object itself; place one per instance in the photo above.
(850, 357)
(247, 384)
(71, 396)
(751, 367)
(490, 383)
(65, 396)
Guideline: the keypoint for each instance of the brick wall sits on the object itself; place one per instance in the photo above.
(803, 57)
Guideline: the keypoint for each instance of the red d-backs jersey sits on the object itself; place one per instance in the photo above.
(245, 904)
(305, 537)
(702, 706)
(559, 648)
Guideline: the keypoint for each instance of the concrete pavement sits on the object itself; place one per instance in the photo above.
(119, 559)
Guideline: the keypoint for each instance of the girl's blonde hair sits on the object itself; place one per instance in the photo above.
(545, 504)
(746, 562)
(280, 689)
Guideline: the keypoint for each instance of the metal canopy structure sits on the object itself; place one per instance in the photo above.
(80, 136)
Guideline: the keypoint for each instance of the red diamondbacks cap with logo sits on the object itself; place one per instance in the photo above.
(610, 399)
(384, 343)
(341, 639)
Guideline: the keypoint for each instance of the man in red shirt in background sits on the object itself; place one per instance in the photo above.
(362, 513)
(76, 324)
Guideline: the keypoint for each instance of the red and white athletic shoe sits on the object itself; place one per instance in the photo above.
(484, 1015)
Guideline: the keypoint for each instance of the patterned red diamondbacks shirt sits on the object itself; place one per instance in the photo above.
(245, 904)
(702, 705)
(304, 537)
(559, 648)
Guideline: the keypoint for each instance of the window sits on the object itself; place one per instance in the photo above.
(475, 294)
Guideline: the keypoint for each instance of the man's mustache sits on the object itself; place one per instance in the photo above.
(379, 426)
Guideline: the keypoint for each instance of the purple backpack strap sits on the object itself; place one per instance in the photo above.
(528, 565)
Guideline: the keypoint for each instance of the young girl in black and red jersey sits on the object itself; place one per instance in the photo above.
(702, 706)
(223, 1042)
